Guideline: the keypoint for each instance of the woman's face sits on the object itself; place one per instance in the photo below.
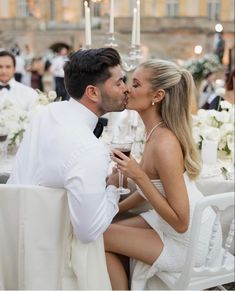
(141, 93)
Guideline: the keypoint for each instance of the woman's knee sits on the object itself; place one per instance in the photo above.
(108, 236)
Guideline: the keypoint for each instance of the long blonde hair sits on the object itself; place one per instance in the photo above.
(179, 90)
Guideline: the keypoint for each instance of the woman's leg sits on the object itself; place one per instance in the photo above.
(136, 221)
(128, 239)
(117, 273)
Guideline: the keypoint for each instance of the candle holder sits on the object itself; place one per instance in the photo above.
(86, 47)
(111, 40)
(131, 62)
(138, 54)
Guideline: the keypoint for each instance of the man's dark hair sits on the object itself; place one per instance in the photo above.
(89, 67)
(8, 54)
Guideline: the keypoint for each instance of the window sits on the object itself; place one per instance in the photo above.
(172, 8)
(52, 10)
(213, 9)
(22, 8)
(96, 9)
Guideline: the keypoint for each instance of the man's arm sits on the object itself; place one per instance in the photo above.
(92, 205)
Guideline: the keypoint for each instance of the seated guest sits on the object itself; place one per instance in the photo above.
(214, 101)
(16, 92)
(207, 91)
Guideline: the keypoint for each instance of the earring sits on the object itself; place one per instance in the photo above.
(153, 103)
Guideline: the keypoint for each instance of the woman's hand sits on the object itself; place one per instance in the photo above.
(128, 166)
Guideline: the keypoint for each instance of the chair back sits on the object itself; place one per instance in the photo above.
(37, 247)
(219, 272)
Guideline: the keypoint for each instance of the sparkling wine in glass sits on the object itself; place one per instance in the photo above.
(125, 148)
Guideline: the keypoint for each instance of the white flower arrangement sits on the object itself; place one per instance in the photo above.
(44, 98)
(14, 120)
(200, 67)
(217, 126)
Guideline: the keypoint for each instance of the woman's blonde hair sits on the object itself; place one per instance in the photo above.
(179, 90)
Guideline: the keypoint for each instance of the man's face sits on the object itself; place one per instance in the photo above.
(7, 69)
(114, 92)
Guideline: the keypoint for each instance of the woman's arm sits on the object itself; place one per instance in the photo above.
(167, 156)
(130, 202)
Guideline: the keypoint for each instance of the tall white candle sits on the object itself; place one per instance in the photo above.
(138, 22)
(133, 37)
(87, 24)
(111, 19)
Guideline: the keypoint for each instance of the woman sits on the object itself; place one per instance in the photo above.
(161, 93)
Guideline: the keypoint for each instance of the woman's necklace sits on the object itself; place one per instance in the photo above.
(147, 136)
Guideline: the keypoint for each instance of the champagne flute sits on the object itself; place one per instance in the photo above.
(125, 148)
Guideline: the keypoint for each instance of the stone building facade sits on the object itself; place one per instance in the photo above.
(169, 28)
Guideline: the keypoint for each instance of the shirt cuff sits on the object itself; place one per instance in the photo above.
(113, 194)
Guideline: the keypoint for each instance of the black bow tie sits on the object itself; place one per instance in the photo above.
(98, 129)
(100, 126)
(5, 86)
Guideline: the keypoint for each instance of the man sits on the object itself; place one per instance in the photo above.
(17, 93)
(57, 70)
(220, 47)
(60, 149)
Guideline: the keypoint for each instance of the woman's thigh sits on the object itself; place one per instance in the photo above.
(136, 221)
(143, 244)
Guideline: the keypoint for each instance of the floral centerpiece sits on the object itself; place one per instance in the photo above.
(14, 120)
(217, 126)
(200, 67)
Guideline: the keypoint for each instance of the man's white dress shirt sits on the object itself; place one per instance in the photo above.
(60, 150)
(57, 66)
(19, 94)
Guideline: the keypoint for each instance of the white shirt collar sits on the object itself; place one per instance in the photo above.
(11, 82)
(87, 114)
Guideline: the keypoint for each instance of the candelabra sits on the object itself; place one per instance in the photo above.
(111, 42)
(133, 59)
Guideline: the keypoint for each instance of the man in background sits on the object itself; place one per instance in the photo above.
(57, 70)
(19, 94)
(220, 47)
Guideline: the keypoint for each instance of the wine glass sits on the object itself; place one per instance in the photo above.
(123, 146)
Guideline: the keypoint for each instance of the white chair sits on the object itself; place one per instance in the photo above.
(37, 247)
(206, 276)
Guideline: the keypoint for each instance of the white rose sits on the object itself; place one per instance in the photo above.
(196, 134)
(52, 95)
(226, 128)
(202, 115)
(225, 104)
(223, 116)
(211, 133)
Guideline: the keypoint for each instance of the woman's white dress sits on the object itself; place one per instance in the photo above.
(175, 244)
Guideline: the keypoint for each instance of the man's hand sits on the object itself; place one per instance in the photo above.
(113, 178)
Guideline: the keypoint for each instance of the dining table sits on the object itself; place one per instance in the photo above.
(214, 179)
